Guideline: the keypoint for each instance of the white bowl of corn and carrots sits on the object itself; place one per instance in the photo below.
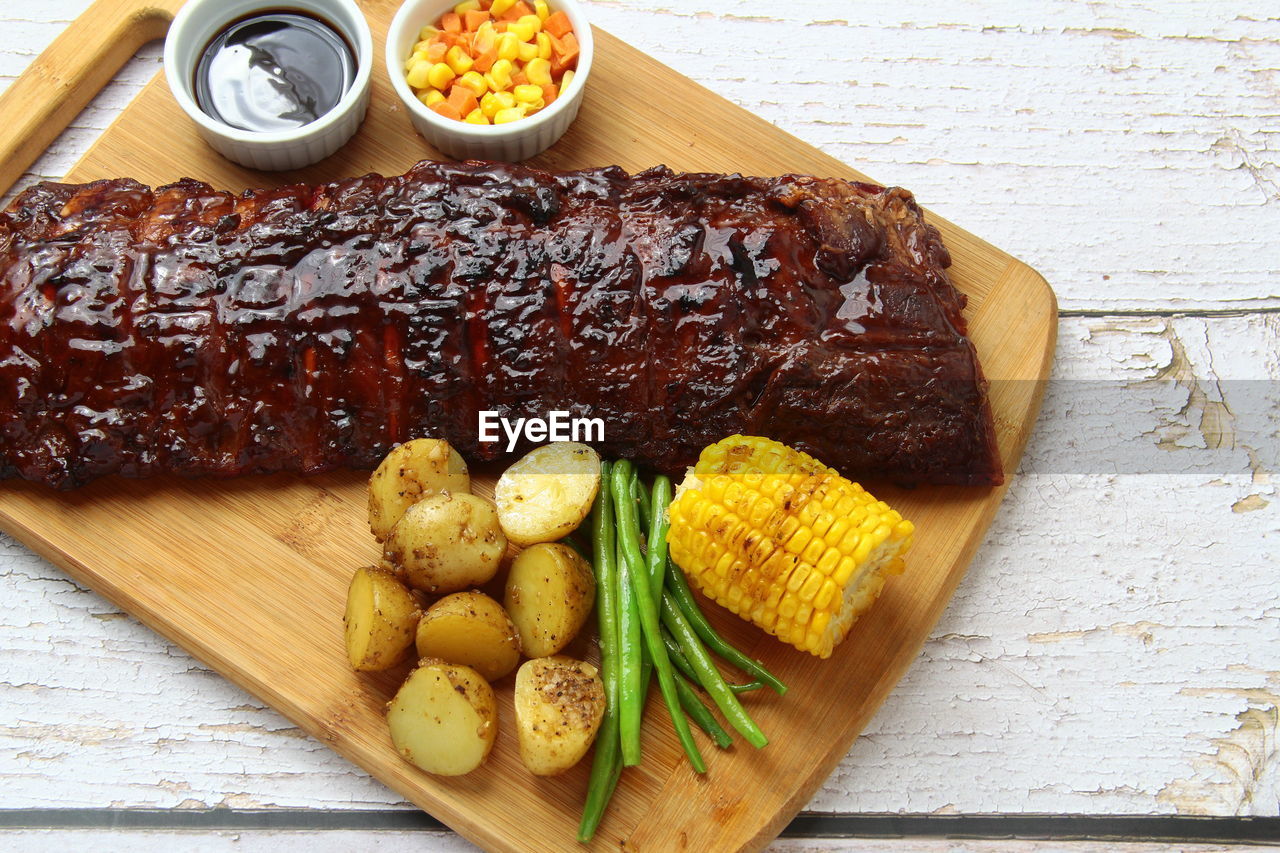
(490, 79)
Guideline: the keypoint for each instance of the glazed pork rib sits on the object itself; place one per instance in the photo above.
(191, 331)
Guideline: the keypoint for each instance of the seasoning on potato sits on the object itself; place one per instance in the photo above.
(472, 629)
(545, 495)
(380, 621)
(549, 594)
(559, 704)
(410, 472)
(444, 718)
(447, 543)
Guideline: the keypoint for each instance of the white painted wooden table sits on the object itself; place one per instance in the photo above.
(1115, 647)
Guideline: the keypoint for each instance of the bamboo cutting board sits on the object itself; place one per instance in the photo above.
(250, 575)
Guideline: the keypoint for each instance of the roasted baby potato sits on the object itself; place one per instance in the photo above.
(559, 705)
(549, 594)
(548, 492)
(380, 621)
(444, 718)
(472, 629)
(410, 472)
(446, 543)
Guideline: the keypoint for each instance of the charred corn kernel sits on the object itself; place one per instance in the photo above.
(474, 81)
(476, 116)
(458, 60)
(499, 76)
(527, 93)
(511, 114)
(419, 74)
(527, 51)
(541, 9)
(431, 97)
(543, 42)
(508, 46)
(538, 71)
(493, 102)
(782, 540)
(440, 75)
(500, 7)
(565, 80)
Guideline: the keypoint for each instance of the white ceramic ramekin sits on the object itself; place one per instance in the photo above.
(200, 20)
(515, 140)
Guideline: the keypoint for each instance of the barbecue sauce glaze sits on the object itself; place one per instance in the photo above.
(273, 71)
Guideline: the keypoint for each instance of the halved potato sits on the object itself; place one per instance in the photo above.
(410, 472)
(380, 621)
(444, 718)
(446, 543)
(472, 629)
(559, 704)
(548, 492)
(549, 594)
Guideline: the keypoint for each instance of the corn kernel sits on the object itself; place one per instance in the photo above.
(508, 46)
(500, 7)
(418, 74)
(532, 21)
(508, 115)
(499, 76)
(541, 9)
(427, 32)
(467, 6)
(521, 29)
(527, 51)
(543, 42)
(440, 75)
(528, 93)
(431, 97)
(538, 71)
(565, 80)
(492, 102)
(457, 60)
(474, 81)
(476, 116)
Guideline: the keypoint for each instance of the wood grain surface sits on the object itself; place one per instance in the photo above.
(249, 575)
(1128, 150)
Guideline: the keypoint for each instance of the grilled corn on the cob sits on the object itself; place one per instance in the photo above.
(784, 541)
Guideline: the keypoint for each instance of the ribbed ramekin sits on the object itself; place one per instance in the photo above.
(517, 140)
(195, 26)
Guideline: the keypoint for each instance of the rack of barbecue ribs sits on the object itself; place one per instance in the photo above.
(191, 331)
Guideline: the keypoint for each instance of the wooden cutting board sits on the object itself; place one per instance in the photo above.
(249, 575)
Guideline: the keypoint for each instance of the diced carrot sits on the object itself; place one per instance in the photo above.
(557, 24)
(485, 4)
(519, 78)
(518, 11)
(447, 110)
(569, 42)
(472, 20)
(462, 99)
(549, 93)
(436, 51)
(499, 26)
(484, 61)
(451, 22)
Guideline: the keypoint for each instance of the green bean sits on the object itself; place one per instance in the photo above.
(677, 657)
(659, 524)
(631, 687)
(641, 497)
(678, 587)
(708, 676)
(605, 766)
(701, 714)
(635, 569)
